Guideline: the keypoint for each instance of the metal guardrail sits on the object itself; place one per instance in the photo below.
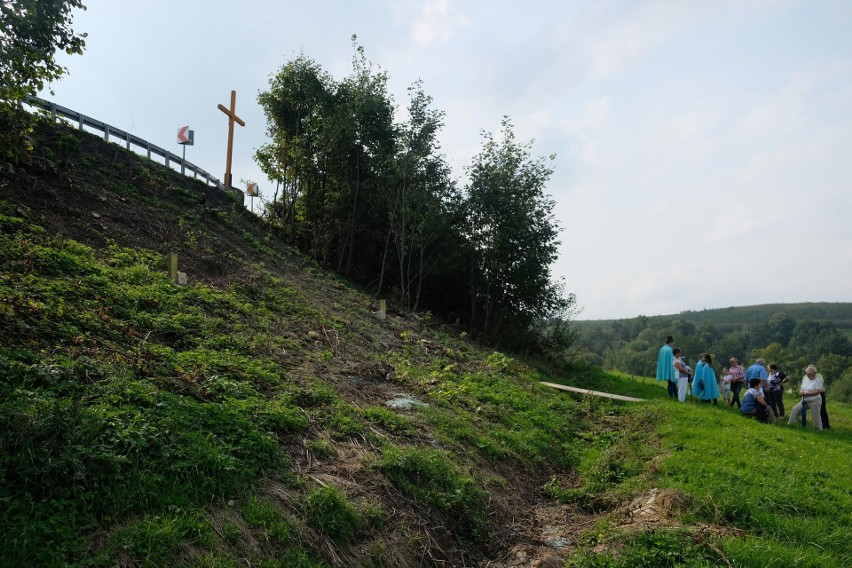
(129, 139)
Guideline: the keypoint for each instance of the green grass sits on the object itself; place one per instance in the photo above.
(616, 382)
(140, 423)
(328, 510)
(432, 478)
(786, 488)
(128, 401)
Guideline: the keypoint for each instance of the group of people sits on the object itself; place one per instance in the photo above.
(764, 397)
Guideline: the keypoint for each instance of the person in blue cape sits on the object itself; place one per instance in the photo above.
(704, 384)
(665, 365)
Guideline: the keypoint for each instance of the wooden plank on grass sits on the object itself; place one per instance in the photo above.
(593, 393)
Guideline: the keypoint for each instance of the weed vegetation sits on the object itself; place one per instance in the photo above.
(250, 417)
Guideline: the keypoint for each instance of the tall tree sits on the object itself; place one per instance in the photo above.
(368, 138)
(297, 102)
(513, 237)
(31, 31)
(425, 200)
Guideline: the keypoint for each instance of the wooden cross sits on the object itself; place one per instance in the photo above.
(232, 117)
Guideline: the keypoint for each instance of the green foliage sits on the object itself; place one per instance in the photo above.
(267, 521)
(513, 238)
(113, 398)
(156, 540)
(31, 31)
(652, 548)
(432, 479)
(841, 390)
(375, 201)
(631, 346)
(718, 474)
(612, 462)
(389, 420)
(328, 510)
(499, 410)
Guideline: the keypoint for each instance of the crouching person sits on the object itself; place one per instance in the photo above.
(754, 404)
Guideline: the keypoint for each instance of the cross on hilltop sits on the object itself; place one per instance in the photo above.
(232, 117)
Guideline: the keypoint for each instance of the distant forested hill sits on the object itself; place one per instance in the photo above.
(792, 335)
(734, 318)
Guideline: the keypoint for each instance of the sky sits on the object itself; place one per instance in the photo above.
(703, 147)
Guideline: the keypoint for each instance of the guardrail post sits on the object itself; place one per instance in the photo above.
(148, 147)
(167, 158)
(127, 137)
(80, 119)
(106, 132)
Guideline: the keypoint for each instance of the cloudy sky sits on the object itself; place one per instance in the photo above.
(703, 147)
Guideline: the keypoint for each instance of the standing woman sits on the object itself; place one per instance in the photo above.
(704, 384)
(665, 364)
(683, 372)
(810, 392)
(737, 381)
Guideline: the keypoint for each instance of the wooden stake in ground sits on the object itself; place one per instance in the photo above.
(232, 117)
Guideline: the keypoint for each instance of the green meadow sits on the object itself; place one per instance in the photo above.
(748, 494)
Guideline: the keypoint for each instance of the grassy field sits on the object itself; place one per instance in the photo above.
(741, 492)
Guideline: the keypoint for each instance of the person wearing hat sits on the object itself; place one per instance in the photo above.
(812, 387)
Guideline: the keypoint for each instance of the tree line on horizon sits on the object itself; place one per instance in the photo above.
(631, 345)
(373, 199)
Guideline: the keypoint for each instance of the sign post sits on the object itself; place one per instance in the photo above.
(252, 191)
(185, 137)
(232, 117)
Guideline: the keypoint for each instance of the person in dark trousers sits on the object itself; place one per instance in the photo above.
(665, 362)
(775, 391)
(737, 381)
(823, 413)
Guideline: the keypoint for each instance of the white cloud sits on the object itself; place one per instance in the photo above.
(586, 128)
(608, 36)
(688, 137)
(437, 23)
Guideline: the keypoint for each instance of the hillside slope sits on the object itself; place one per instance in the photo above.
(260, 415)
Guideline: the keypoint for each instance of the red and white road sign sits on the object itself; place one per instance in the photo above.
(183, 135)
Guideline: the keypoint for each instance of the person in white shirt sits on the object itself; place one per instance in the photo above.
(682, 372)
(810, 391)
(726, 386)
